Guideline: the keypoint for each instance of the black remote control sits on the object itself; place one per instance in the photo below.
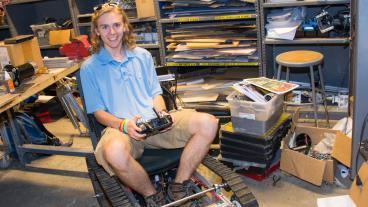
(155, 125)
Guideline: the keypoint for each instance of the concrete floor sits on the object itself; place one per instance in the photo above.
(63, 181)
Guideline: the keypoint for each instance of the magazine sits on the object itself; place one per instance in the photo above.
(249, 91)
(274, 86)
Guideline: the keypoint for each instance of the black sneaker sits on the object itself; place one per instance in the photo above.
(155, 200)
(178, 191)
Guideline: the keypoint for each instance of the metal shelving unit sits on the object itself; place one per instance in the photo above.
(308, 41)
(304, 3)
(209, 18)
(5, 26)
(163, 22)
(49, 47)
(23, 1)
(335, 49)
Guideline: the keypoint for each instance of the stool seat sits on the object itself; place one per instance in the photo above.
(299, 58)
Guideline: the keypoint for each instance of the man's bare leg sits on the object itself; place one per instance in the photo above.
(204, 129)
(129, 171)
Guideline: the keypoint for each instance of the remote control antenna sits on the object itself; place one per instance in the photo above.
(158, 116)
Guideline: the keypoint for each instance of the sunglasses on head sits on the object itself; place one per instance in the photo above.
(99, 7)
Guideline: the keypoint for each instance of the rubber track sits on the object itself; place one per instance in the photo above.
(115, 194)
(235, 182)
(111, 188)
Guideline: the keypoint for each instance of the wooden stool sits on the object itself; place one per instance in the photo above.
(304, 59)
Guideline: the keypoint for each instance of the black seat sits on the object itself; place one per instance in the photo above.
(153, 160)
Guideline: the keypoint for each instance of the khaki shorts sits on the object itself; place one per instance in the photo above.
(176, 137)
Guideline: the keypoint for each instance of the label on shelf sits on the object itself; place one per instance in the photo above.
(227, 17)
(188, 19)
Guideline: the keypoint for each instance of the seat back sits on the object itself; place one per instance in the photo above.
(153, 160)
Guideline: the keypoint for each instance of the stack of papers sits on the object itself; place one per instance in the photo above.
(234, 41)
(250, 91)
(283, 23)
(182, 8)
(263, 89)
(272, 85)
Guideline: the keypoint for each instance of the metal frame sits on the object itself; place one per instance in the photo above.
(360, 74)
(160, 32)
(74, 12)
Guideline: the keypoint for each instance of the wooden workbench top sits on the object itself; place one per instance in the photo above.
(34, 86)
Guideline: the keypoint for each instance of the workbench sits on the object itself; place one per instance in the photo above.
(27, 89)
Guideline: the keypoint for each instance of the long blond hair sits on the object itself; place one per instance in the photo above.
(128, 37)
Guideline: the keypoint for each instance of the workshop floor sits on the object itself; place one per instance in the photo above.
(63, 181)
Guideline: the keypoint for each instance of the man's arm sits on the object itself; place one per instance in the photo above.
(112, 121)
(107, 119)
(159, 103)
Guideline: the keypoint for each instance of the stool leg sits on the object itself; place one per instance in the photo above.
(323, 93)
(287, 74)
(314, 95)
(279, 72)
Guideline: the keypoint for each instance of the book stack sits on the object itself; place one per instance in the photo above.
(253, 154)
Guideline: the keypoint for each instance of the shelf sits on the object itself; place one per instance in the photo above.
(5, 26)
(49, 47)
(131, 20)
(212, 64)
(87, 24)
(149, 46)
(305, 3)
(311, 41)
(22, 1)
(136, 20)
(209, 18)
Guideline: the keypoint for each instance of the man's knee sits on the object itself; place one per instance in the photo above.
(117, 153)
(206, 124)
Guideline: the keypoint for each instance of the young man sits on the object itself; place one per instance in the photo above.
(120, 86)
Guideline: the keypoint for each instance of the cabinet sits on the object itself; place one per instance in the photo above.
(334, 46)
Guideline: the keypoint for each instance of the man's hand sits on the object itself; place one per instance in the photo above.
(133, 130)
(172, 119)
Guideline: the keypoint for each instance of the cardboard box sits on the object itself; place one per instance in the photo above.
(24, 52)
(60, 37)
(301, 165)
(342, 149)
(145, 8)
(359, 194)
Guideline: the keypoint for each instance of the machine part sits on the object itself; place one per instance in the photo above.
(76, 50)
(325, 21)
(20, 73)
(4, 160)
(215, 188)
(342, 21)
(309, 25)
(70, 105)
(155, 125)
(116, 194)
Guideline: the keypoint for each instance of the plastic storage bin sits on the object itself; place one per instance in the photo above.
(252, 117)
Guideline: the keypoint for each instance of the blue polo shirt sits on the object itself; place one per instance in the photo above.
(125, 88)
